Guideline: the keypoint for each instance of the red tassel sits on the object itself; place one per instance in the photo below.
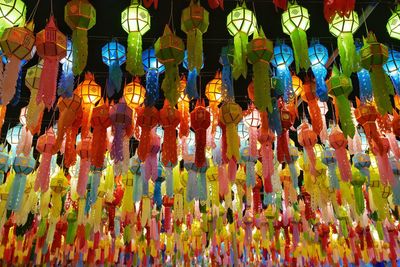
(200, 121)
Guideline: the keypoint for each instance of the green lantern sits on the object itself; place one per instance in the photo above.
(393, 24)
(340, 87)
(295, 22)
(170, 52)
(260, 52)
(12, 13)
(135, 20)
(240, 23)
(343, 28)
(373, 56)
(80, 16)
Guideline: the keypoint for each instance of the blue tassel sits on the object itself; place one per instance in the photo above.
(284, 75)
(226, 60)
(274, 118)
(365, 85)
(152, 90)
(15, 100)
(115, 76)
(333, 179)
(293, 175)
(202, 185)
(268, 199)
(16, 194)
(66, 83)
(320, 73)
(145, 187)
(396, 192)
(191, 188)
(250, 174)
(157, 197)
(217, 157)
(95, 182)
(191, 86)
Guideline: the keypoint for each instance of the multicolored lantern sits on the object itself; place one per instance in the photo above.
(318, 55)
(170, 52)
(295, 22)
(283, 57)
(393, 24)
(66, 82)
(200, 121)
(113, 55)
(240, 23)
(135, 20)
(45, 145)
(51, 45)
(34, 110)
(12, 13)
(80, 16)
(153, 69)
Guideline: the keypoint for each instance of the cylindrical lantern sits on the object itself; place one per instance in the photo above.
(113, 55)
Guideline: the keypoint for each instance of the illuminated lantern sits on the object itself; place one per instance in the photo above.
(4, 164)
(34, 110)
(13, 136)
(100, 121)
(17, 44)
(362, 162)
(252, 120)
(147, 119)
(194, 22)
(340, 87)
(338, 141)
(243, 133)
(373, 56)
(153, 69)
(283, 57)
(12, 13)
(392, 69)
(80, 16)
(295, 22)
(200, 121)
(113, 55)
(67, 79)
(329, 159)
(259, 53)
(267, 154)
(318, 55)
(214, 94)
(152, 158)
(396, 123)
(240, 23)
(90, 92)
(44, 145)
(84, 151)
(170, 52)
(343, 28)
(134, 94)
(307, 139)
(51, 45)
(393, 24)
(308, 95)
(226, 60)
(23, 166)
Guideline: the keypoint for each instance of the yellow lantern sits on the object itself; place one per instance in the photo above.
(297, 84)
(134, 94)
(214, 95)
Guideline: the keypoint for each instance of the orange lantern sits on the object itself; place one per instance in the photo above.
(183, 107)
(214, 95)
(44, 145)
(134, 94)
(147, 119)
(100, 122)
(309, 96)
(396, 124)
(338, 141)
(200, 121)
(287, 120)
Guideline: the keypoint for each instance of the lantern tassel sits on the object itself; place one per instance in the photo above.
(320, 73)
(262, 86)
(169, 181)
(34, 113)
(359, 199)
(344, 164)
(16, 194)
(233, 141)
(152, 92)
(66, 84)
(117, 150)
(191, 85)
(134, 55)
(138, 188)
(10, 80)
(84, 169)
(171, 84)
(345, 116)
(382, 88)
(195, 49)
(333, 179)
(114, 78)
(347, 53)
(18, 88)
(43, 174)
(201, 140)
(240, 41)
(300, 49)
(202, 185)
(191, 188)
(99, 146)
(48, 84)
(79, 50)
(96, 176)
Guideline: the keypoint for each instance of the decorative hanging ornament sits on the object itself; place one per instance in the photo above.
(153, 69)
(34, 110)
(214, 94)
(260, 53)
(170, 52)
(200, 121)
(295, 22)
(135, 20)
(18, 44)
(183, 107)
(341, 7)
(134, 94)
(392, 69)
(373, 56)
(318, 55)
(80, 16)
(113, 55)
(393, 24)
(191, 85)
(12, 13)
(67, 79)
(307, 139)
(283, 57)
(343, 28)
(147, 119)
(44, 145)
(231, 115)
(338, 141)
(100, 121)
(364, 80)
(308, 95)
(240, 23)
(51, 45)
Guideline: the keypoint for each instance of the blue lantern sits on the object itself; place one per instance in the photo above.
(226, 60)
(392, 69)
(318, 55)
(13, 136)
(364, 80)
(4, 164)
(113, 55)
(66, 83)
(153, 68)
(329, 159)
(283, 57)
(191, 85)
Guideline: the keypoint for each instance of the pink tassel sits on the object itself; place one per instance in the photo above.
(43, 175)
(26, 149)
(312, 158)
(184, 146)
(84, 169)
(10, 79)
(266, 152)
(394, 146)
(47, 86)
(223, 181)
(385, 169)
(151, 163)
(253, 142)
(344, 164)
(154, 230)
(232, 168)
(357, 144)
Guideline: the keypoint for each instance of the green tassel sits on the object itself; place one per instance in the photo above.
(347, 53)
(381, 90)
(195, 49)
(300, 49)
(42, 228)
(80, 50)
(240, 41)
(345, 117)
(170, 83)
(379, 229)
(134, 54)
(262, 86)
(359, 197)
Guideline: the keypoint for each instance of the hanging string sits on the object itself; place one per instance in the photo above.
(365, 20)
(171, 17)
(51, 8)
(34, 11)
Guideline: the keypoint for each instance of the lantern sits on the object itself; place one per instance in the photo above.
(34, 110)
(113, 55)
(147, 119)
(135, 20)
(373, 56)
(214, 94)
(226, 60)
(297, 84)
(252, 120)
(338, 141)
(362, 162)
(283, 57)
(183, 107)
(266, 138)
(318, 55)
(100, 121)
(260, 54)
(308, 95)
(200, 121)
(231, 115)
(392, 69)
(12, 13)
(364, 81)
(84, 151)
(340, 87)
(328, 158)
(17, 43)
(51, 45)
(4, 164)
(170, 52)
(80, 16)
(13, 136)
(287, 116)
(153, 69)
(67, 79)
(343, 28)
(393, 24)
(240, 23)
(295, 22)
(134, 94)
(44, 145)
(307, 139)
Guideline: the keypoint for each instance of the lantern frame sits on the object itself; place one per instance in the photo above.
(393, 24)
(150, 61)
(318, 54)
(241, 19)
(113, 52)
(12, 13)
(135, 18)
(295, 17)
(283, 56)
(89, 91)
(214, 89)
(344, 24)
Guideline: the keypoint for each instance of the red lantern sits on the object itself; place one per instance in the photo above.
(147, 119)
(44, 145)
(200, 121)
(309, 96)
(307, 139)
(168, 202)
(84, 150)
(287, 120)
(100, 121)
(169, 119)
(381, 150)
(338, 141)
(70, 140)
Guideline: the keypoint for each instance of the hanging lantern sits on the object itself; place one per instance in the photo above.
(13, 136)
(34, 110)
(295, 22)
(170, 52)
(147, 119)
(364, 80)
(17, 43)
(396, 124)
(113, 55)
(135, 20)
(373, 56)
(307, 139)
(67, 79)
(287, 117)
(343, 28)
(392, 69)
(297, 84)
(260, 54)
(84, 151)
(308, 95)
(341, 7)
(100, 121)
(231, 115)
(393, 24)
(283, 57)
(338, 141)
(214, 94)
(226, 60)
(266, 138)
(80, 16)
(252, 120)
(318, 55)
(12, 13)
(153, 69)
(240, 23)
(329, 159)
(340, 87)
(51, 45)
(134, 94)
(44, 145)
(200, 121)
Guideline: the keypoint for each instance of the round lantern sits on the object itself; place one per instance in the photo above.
(392, 68)
(297, 84)
(14, 134)
(243, 131)
(214, 89)
(318, 55)
(89, 90)
(12, 13)
(344, 24)
(150, 61)
(113, 55)
(393, 24)
(134, 94)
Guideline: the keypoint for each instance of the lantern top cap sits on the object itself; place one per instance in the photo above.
(371, 38)
(30, 25)
(167, 30)
(89, 76)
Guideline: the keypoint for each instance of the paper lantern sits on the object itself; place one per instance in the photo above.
(100, 121)
(191, 85)
(295, 22)
(393, 24)
(44, 145)
(34, 110)
(214, 94)
(297, 84)
(67, 79)
(80, 16)
(13, 136)
(153, 69)
(318, 55)
(240, 23)
(287, 117)
(200, 121)
(243, 133)
(364, 80)
(392, 68)
(170, 52)
(231, 115)
(307, 139)
(183, 107)
(134, 94)
(329, 159)
(283, 57)
(260, 53)
(12, 13)
(113, 55)
(343, 28)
